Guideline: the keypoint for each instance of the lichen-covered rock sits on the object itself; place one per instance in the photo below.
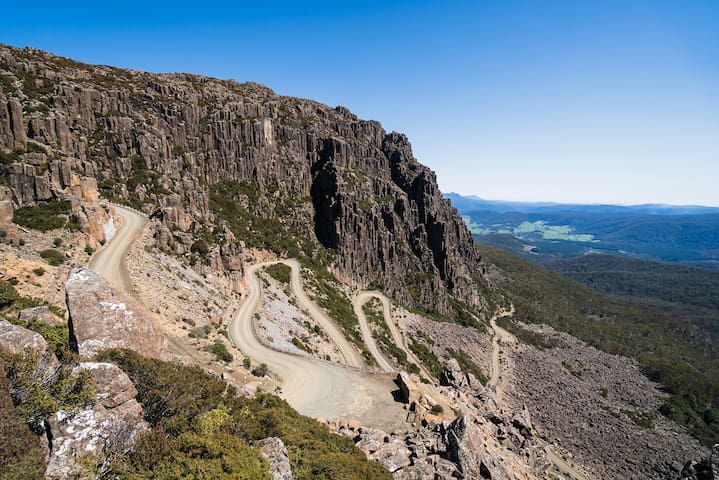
(16, 340)
(274, 450)
(93, 436)
(101, 317)
(41, 314)
(112, 386)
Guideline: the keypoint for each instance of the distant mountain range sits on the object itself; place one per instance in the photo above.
(471, 202)
(545, 232)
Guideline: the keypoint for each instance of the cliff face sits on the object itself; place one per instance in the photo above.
(167, 143)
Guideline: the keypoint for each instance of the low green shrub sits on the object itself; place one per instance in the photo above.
(191, 436)
(220, 351)
(43, 216)
(53, 257)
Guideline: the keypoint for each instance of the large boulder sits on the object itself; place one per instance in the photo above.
(386, 449)
(467, 450)
(407, 388)
(16, 340)
(41, 314)
(95, 435)
(101, 317)
(274, 450)
(452, 375)
(112, 386)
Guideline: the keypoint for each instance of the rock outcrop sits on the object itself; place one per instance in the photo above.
(485, 442)
(41, 314)
(707, 469)
(95, 435)
(16, 340)
(274, 450)
(101, 317)
(219, 163)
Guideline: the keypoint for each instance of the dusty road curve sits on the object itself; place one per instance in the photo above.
(110, 260)
(352, 356)
(357, 303)
(313, 387)
(363, 297)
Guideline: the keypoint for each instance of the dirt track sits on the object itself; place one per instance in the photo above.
(313, 387)
(503, 337)
(110, 260)
(397, 337)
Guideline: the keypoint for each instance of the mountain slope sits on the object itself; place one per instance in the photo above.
(667, 348)
(219, 161)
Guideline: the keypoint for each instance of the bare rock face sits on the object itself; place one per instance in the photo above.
(95, 435)
(274, 450)
(101, 317)
(166, 143)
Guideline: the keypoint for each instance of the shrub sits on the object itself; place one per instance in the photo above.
(200, 332)
(53, 257)
(20, 453)
(260, 370)
(200, 247)
(437, 409)
(426, 356)
(220, 351)
(8, 294)
(39, 271)
(181, 403)
(280, 272)
(44, 216)
(246, 362)
(7, 158)
(38, 398)
(57, 242)
(89, 250)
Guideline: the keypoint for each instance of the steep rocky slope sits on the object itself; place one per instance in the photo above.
(219, 161)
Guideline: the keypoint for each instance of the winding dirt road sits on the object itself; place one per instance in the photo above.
(109, 261)
(352, 356)
(313, 387)
(360, 299)
(357, 303)
(503, 337)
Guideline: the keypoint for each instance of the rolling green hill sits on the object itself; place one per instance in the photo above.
(681, 234)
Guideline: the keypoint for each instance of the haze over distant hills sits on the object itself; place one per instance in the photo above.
(687, 234)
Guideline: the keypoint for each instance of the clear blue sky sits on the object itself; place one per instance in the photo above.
(573, 101)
